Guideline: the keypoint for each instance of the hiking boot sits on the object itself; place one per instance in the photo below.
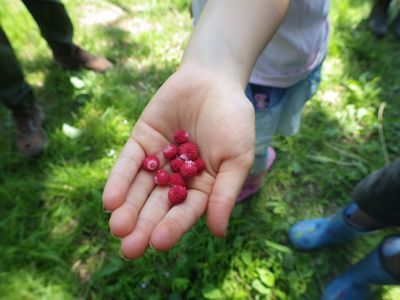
(356, 281)
(31, 137)
(333, 230)
(79, 58)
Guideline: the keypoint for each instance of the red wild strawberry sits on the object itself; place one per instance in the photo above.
(161, 178)
(177, 194)
(181, 136)
(176, 179)
(188, 151)
(170, 151)
(188, 169)
(201, 165)
(151, 163)
(176, 164)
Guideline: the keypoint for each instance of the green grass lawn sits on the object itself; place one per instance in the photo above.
(54, 237)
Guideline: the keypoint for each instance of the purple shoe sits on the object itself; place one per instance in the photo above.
(253, 183)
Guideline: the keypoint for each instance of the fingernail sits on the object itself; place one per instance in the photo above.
(151, 246)
(106, 210)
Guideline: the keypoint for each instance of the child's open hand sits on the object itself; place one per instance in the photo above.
(220, 120)
(206, 98)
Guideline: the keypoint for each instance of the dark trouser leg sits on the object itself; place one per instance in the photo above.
(14, 91)
(56, 27)
(378, 17)
(54, 23)
(397, 25)
(378, 195)
(18, 96)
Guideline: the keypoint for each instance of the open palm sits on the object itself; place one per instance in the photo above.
(220, 120)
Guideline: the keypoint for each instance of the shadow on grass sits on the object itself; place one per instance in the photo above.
(45, 233)
(47, 201)
(376, 58)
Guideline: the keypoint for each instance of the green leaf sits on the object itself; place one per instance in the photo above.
(181, 283)
(288, 261)
(280, 295)
(77, 82)
(259, 287)
(174, 296)
(278, 247)
(296, 168)
(108, 270)
(246, 257)
(213, 293)
(266, 277)
(238, 241)
(70, 131)
(240, 294)
(237, 211)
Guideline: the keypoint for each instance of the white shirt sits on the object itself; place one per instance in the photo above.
(298, 46)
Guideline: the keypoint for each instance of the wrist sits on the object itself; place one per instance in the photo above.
(216, 58)
(230, 35)
(209, 74)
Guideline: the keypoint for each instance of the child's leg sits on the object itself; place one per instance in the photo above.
(196, 7)
(267, 102)
(295, 99)
(268, 107)
(277, 110)
(253, 183)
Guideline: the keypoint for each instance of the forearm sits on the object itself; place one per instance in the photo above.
(231, 34)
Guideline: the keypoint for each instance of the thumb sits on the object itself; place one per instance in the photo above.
(223, 196)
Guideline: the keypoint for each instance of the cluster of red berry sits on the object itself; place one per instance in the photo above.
(185, 162)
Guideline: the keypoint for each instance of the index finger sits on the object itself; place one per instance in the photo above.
(122, 174)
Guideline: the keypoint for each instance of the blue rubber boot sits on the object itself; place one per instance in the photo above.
(355, 282)
(332, 230)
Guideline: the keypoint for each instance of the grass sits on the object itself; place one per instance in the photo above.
(54, 240)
